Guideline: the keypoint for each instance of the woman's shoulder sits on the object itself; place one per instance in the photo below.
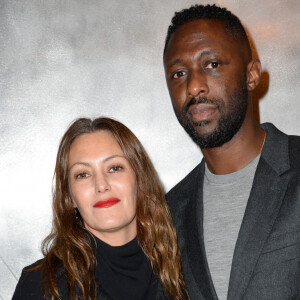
(30, 283)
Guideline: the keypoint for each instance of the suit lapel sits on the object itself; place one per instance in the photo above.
(195, 243)
(262, 209)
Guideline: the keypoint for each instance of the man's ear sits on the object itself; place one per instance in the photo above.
(253, 74)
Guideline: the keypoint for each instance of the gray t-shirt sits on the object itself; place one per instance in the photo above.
(224, 202)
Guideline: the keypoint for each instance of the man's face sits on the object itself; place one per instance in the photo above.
(206, 75)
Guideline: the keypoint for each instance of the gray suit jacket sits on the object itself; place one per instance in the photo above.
(266, 260)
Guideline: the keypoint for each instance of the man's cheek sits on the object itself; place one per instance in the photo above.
(177, 109)
(178, 101)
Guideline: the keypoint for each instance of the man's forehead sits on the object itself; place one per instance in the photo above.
(200, 28)
(207, 33)
(197, 32)
(194, 37)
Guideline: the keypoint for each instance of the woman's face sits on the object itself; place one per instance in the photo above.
(103, 187)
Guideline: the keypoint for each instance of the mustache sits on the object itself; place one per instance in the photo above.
(202, 100)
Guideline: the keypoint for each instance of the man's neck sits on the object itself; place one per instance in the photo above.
(238, 152)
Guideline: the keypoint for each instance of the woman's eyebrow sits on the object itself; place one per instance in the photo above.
(104, 160)
(113, 156)
(80, 163)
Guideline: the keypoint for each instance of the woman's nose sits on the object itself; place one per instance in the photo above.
(102, 183)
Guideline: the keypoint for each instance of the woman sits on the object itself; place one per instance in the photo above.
(112, 236)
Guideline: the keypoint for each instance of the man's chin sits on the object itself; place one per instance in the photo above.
(211, 136)
(199, 132)
(207, 134)
(203, 129)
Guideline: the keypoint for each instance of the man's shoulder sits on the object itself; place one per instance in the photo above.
(294, 152)
(281, 150)
(277, 134)
(294, 143)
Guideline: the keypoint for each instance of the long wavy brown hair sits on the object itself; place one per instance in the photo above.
(68, 244)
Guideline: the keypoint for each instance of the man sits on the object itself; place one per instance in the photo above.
(237, 213)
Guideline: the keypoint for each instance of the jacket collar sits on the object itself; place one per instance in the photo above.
(276, 149)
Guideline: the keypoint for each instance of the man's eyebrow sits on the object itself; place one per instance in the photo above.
(203, 53)
(209, 52)
(104, 160)
(175, 62)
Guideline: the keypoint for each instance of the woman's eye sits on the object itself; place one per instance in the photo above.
(179, 74)
(81, 175)
(115, 169)
(212, 65)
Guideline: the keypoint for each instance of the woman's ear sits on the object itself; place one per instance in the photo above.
(72, 201)
(253, 74)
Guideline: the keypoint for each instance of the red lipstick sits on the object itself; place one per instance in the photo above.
(107, 203)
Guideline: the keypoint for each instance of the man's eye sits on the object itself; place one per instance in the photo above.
(179, 74)
(212, 65)
(115, 169)
(81, 175)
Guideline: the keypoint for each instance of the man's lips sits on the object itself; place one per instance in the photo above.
(107, 203)
(201, 112)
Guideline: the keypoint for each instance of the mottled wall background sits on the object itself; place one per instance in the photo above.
(60, 60)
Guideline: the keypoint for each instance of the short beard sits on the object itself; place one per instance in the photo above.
(229, 124)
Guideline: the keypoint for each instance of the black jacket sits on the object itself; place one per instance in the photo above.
(266, 260)
(29, 287)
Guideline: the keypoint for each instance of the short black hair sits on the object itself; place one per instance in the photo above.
(196, 12)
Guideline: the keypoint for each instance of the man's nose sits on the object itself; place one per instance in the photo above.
(197, 85)
(102, 183)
